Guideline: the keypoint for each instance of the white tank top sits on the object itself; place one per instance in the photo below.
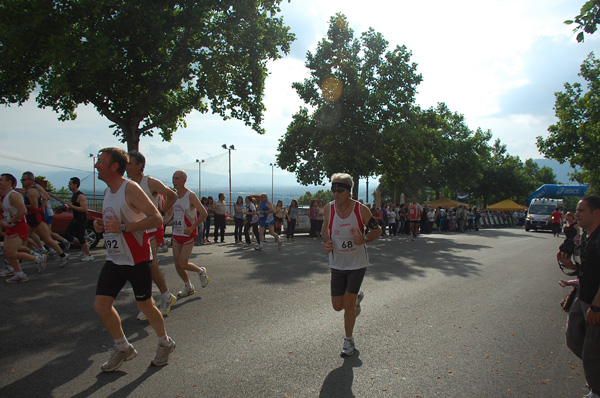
(8, 210)
(127, 248)
(183, 215)
(154, 199)
(346, 255)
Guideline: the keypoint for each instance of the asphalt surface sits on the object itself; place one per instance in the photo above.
(453, 315)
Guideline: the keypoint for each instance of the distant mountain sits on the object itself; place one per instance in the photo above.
(285, 186)
(562, 171)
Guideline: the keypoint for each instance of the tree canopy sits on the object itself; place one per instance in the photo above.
(144, 65)
(356, 89)
(587, 20)
(576, 136)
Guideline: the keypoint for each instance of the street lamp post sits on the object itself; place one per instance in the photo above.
(272, 169)
(94, 174)
(231, 147)
(199, 177)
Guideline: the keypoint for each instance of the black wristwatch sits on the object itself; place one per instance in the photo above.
(122, 227)
(594, 308)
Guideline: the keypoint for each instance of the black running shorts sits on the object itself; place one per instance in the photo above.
(113, 278)
(346, 281)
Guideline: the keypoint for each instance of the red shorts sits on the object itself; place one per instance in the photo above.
(184, 240)
(19, 229)
(159, 235)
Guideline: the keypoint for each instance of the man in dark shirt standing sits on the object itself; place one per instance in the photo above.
(583, 326)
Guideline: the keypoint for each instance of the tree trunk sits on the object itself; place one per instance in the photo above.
(355, 187)
(132, 137)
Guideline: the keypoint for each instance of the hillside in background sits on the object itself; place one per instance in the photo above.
(562, 171)
(285, 186)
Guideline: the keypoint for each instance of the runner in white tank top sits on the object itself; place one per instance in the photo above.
(185, 224)
(126, 215)
(343, 233)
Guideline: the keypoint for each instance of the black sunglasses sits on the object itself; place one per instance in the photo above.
(338, 190)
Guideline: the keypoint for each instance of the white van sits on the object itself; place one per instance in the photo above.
(539, 213)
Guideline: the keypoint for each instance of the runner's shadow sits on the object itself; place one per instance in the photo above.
(338, 383)
(103, 379)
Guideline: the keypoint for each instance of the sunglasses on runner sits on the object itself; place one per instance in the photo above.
(338, 190)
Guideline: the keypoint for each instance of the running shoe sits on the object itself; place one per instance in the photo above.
(162, 354)
(87, 258)
(186, 291)
(359, 298)
(141, 316)
(40, 250)
(165, 305)
(40, 263)
(7, 272)
(204, 280)
(66, 245)
(348, 348)
(279, 243)
(17, 279)
(117, 358)
(259, 248)
(63, 261)
(163, 249)
(52, 252)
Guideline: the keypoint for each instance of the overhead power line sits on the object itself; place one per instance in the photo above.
(40, 163)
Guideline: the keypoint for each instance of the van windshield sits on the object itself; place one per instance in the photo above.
(542, 209)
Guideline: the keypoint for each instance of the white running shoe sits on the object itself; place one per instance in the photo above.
(348, 348)
(17, 278)
(63, 261)
(279, 243)
(141, 316)
(359, 298)
(204, 280)
(186, 291)
(40, 263)
(165, 305)
(87, 258)
(67, 245)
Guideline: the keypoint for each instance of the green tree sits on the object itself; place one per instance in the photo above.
(438, 153)
(356, 89)
(325, 195)
(588, 19)
(504, 177)
(576, 136)
(144, 65)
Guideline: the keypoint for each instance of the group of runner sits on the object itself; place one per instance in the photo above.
(26, 225)
(133, 229)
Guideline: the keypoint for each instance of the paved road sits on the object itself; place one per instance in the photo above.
(475, 314)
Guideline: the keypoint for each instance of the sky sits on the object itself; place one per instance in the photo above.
(497, 62)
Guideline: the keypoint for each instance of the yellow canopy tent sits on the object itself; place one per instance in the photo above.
(507, 205)
(445, 202)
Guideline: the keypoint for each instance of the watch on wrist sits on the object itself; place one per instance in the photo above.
(595, 308)
(122, 227)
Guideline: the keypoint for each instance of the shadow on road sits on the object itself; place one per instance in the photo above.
(338, 383)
